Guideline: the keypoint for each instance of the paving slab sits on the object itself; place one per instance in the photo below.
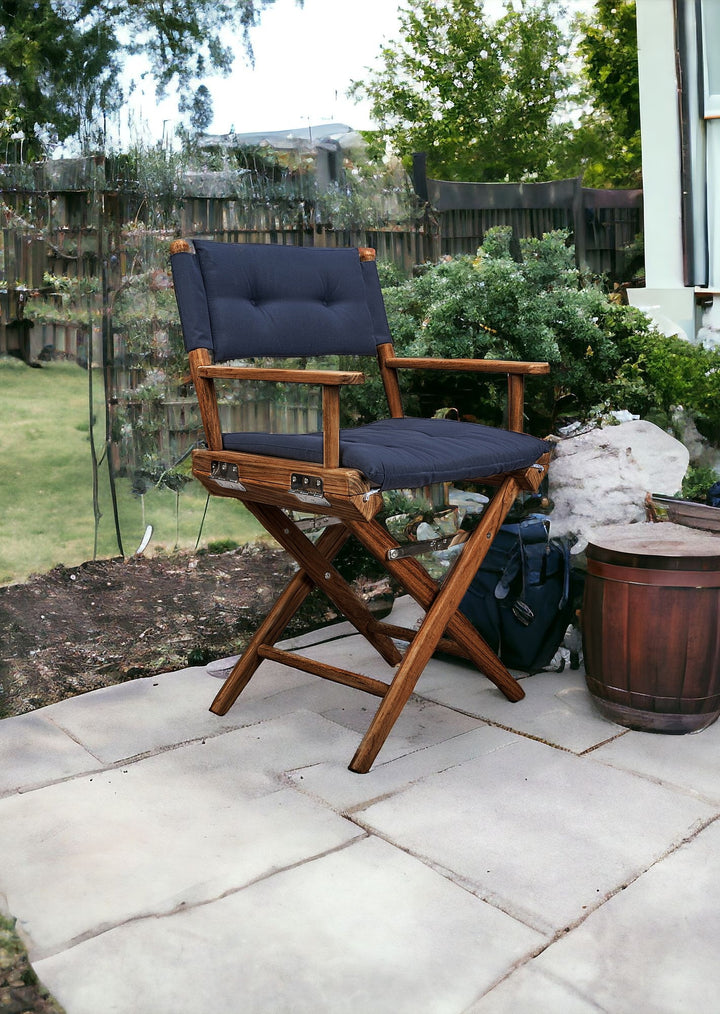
(366, 928)
(329, 633)
(557, 707)
(148, 714)
(345, 791)
(174, 829)
(221, 666)
(353, 652)
(690, 763)
(33, 751)
(539, 832)
(653, 946)
(405, 612)
(420, 724)
(530, 990)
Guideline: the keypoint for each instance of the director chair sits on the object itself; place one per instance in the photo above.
(240, 301)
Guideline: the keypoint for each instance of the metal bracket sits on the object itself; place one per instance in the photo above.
(226, 474)
(418, 548)
(316, 523)
(308, 488)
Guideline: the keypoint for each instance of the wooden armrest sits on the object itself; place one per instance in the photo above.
(514, 371)
(507, 366)
(329, 380)
(332, 378)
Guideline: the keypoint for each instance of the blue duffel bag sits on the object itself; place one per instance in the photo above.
(520, 600)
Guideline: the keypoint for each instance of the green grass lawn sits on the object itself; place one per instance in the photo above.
(46, 510)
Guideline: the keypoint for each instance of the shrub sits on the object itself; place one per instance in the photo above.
(697, 483)
(602, 355)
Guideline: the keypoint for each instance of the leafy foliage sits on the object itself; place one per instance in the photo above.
(201, 109)
(60, 62)
(609, 51)
(697, 482)
(603, 356)
(478, 97)
(56, 69)
(605, 147)
(145, 314)
(493, 101)
(66, 300)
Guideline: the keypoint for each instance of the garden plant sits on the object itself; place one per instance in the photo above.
(528, 301)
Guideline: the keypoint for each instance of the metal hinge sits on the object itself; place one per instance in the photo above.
(308, 488)
(226, 474)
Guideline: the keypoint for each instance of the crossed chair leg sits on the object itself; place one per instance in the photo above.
(443, 627)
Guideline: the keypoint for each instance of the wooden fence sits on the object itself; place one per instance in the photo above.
(65, 217)
(164, 429)
(74, 232)
(604, 223)
(69, 219)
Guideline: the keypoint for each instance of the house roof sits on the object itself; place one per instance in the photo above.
(305, 138)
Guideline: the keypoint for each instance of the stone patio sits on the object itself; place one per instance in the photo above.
(528, 857)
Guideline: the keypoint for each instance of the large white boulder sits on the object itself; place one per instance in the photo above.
(602, 477)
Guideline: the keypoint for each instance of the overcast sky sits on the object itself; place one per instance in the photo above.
(305, 59)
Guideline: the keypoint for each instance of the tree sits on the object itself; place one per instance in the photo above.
(53, 73)
(60, 59)
(609, 50)
(605, 147)
(201, 110)
(479, 97)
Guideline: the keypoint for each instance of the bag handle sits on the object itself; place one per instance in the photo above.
(527, 531)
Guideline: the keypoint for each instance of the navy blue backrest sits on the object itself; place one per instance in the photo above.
(244, 300)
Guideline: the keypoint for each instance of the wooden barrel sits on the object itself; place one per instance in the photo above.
(651, 626)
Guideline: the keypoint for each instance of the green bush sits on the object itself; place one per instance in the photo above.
(697, 482)
(602, 355)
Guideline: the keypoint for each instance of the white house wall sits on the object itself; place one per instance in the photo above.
(665, 297)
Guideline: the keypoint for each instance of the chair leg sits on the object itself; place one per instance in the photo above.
(316, 563)
(329, 543)
(440, 605)
(418, 583)
(438, 617)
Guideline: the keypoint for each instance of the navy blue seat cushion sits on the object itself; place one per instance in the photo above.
(253, 299)
(401, 453)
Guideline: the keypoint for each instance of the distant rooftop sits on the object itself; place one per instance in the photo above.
(296, 139)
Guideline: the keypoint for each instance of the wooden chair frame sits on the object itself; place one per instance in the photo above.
(270, 487)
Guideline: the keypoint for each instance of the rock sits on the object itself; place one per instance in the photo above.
(602, 477)
(702, 452)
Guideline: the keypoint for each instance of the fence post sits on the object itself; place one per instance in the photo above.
(419, 175)
(431, 229)
(579, 226)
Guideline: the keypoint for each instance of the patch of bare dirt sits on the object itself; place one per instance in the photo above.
(76, 629)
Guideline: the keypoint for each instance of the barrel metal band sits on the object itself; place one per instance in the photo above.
(655, 578)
